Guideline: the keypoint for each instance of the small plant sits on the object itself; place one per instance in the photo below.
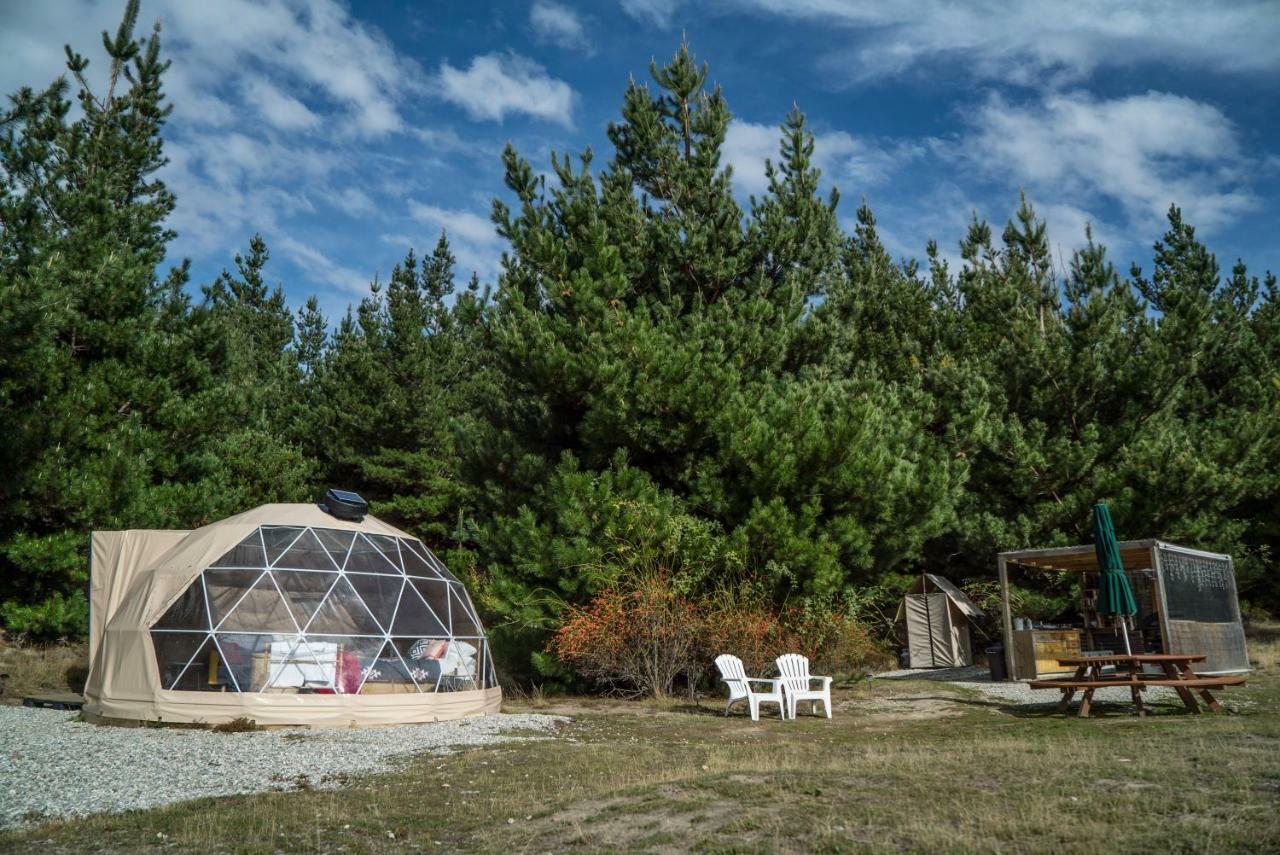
(243, 724)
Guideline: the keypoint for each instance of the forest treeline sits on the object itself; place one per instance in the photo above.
(748, 398)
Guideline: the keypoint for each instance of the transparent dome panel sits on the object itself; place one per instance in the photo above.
(366, 557)
(261, 609)
(276, 539)
(294, 610)
(306, 552)
(226, 588)
(187, 612)
(248, 553)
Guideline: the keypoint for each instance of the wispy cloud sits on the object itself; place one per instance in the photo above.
(560, 25)
(323, 268)
(656, 12)
(852, 164)
(282, 111)
(318, 46)
(1140, 153)
(472, 237)
(495, 85)
(1038, 41)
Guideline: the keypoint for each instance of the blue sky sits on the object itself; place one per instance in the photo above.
(347, 132)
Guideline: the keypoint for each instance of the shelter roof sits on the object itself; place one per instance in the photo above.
(1136, 555)
(945, 586)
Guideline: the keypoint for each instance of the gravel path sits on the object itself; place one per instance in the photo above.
(54, 766)
(977, 677)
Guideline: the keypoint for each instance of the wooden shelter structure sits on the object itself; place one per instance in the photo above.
(1187, 604)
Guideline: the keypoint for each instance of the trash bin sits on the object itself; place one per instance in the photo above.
(995, 661)
(904, 658)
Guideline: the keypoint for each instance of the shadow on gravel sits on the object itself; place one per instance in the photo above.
(969, 674)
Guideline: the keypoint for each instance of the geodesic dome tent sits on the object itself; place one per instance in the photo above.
(287, 615)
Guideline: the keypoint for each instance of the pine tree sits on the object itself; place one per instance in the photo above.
(398, 374)
(656, 386)
(82, 381)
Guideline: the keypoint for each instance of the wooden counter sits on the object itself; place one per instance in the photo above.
(1036, 652)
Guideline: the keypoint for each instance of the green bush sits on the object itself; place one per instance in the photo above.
(54, 617)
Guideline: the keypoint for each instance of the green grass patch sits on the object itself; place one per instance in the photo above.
(902, 766)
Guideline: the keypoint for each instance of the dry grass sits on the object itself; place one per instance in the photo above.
(903, 766)
(36, 669)
(1264, 646)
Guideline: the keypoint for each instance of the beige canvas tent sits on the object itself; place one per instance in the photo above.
(287, 615)
(936, 614)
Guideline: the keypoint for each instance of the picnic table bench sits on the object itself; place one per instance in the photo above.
(1177, 673)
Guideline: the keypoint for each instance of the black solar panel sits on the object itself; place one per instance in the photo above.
(344, 504)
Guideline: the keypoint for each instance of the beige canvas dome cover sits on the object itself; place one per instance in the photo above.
(285, 615)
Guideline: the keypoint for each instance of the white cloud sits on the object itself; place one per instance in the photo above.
(560, 25)
(1141, 153)
(286, 118)
(861, 162)
(322, 268)
(316, 46)
(472, 237)
(355, 201)
(1035, 40)
(747, 146)
(279, 109)
(656, 12)
(850, 163)
(495, 85)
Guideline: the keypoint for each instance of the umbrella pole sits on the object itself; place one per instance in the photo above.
(1124, 629)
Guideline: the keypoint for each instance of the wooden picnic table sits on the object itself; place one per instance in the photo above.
(1177, 673)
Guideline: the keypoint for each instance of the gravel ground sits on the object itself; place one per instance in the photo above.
(52, 765)
(977, 677)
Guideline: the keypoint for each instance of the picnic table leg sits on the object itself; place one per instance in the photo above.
(1136, 691)
(1068, 694)
(1188, 699)
(1210, 700)
(1183, 691)
(1085, 702)
(1137, 699)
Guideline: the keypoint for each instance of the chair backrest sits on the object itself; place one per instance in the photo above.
(794, 670)
(731, 667)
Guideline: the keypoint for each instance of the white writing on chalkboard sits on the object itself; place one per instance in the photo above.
(1198, 588)
(1204, 573)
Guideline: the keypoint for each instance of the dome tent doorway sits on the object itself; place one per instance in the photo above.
(936, 615)
(287, 615)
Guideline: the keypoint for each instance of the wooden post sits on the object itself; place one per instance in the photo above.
(1006, 626)
(1235, 605)
(1161, 604)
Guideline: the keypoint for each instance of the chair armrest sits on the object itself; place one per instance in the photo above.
(826, 681)
(749, 680)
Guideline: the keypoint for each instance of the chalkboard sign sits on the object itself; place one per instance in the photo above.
(1198, 588)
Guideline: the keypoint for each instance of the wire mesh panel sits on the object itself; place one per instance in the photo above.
(1201, 608)
(300, 610)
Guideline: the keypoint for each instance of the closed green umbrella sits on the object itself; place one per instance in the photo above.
(1115, 597)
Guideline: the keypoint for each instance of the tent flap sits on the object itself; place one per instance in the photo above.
(937, 634)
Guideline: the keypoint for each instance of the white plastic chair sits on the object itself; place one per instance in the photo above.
(798, 684)
(735, 677)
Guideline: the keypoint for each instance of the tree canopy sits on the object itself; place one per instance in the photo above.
(664, 374)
